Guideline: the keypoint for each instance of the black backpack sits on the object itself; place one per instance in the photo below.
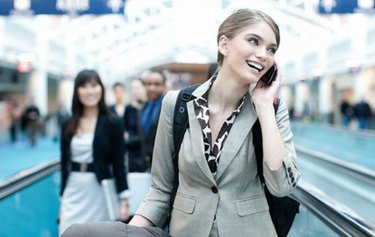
(282, 210)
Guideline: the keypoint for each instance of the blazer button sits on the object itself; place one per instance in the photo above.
(290, 170)
(214, 189)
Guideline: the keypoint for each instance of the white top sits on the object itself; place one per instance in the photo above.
(81, 148)
(83, 198)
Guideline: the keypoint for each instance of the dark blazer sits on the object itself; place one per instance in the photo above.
(134, 142)
(149, 139)
(112, 109)
(108, 152)
(133, 128)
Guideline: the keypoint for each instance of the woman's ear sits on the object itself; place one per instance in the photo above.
(223, 45)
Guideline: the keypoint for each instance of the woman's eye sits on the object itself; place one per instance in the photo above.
(253, 41)
(272, 50)
(94, 84)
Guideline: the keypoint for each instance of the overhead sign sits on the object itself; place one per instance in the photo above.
(346, 6)
(59, 7)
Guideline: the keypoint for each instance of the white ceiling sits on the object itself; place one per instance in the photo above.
(154, 32)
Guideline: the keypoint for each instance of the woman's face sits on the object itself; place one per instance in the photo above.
(90, 93)
(251, 52)
(138, 91)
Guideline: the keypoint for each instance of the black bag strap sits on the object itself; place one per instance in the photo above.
(180, 118)
(257, 141)
(180, 124)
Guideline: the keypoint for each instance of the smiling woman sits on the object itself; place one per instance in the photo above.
(92, 151)
(219, 190)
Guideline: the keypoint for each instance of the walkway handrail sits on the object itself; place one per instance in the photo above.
(341, 219)
(27, 176)
(357, 171)
(337, 128)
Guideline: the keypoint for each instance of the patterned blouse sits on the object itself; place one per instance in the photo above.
(202, 113)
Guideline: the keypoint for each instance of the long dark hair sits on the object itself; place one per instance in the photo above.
(81, 79)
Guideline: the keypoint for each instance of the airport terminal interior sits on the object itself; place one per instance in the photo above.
(326, 58)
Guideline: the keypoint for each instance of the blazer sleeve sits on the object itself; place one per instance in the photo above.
(118, 152)
(155, 207)
(282, 182)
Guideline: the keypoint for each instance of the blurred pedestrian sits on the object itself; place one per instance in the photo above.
(346, 111)
(30, 122)
(118, 108)
(62, 115)
(12, 107)
(362, 112)
(92, 150)
(133, 133)
(155, 84)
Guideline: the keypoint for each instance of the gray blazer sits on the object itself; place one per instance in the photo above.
(234, 200)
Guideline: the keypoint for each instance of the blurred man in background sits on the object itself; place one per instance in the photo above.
(155, 84)
(118, 108)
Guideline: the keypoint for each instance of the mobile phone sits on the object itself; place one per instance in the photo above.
(270, 75)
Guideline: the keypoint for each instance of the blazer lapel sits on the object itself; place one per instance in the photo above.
(237, 135)
(197, 136)
(98, 134)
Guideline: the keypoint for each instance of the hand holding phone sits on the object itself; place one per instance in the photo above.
(270, 75)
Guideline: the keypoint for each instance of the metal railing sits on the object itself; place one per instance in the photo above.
(354, 170)
(338, 217)
(27, 177)
(341, 219)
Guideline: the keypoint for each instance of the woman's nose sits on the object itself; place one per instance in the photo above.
(261, 52)
(91, 89)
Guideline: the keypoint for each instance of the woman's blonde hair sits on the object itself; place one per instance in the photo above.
(241, 19)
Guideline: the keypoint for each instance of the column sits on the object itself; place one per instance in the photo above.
(302, 99)
(360, 23)
(66, 88)
(37, 87)
(325, 100)
(286, 95)
(72, 67)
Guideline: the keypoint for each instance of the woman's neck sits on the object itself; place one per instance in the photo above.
(120, 102)
(90, 112)
(226, 92)
(138, 103)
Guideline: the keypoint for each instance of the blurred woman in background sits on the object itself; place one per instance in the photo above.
(91, 151)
